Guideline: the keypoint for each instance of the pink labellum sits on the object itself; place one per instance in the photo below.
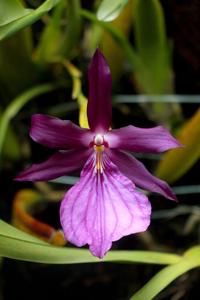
(103, 207)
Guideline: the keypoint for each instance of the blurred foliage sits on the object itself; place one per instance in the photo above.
(176, 163)
(155, 51)
(153, 48)
(51, 37)
(15, 64)
(13, 152)
(98, 35)
(14, 107)
(56, 39)
(111, 49)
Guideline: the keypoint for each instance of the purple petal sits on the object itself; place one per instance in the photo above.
(56, 133)
(99, 108)
(154, 140)
(102, 208)
(136, 171)
(57, 165)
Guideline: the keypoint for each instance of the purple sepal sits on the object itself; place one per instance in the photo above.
(136, 171)
(99, 109)
(151, 140)
(59, 164)
(56, 133)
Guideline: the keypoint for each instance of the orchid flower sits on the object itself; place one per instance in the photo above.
(105, 204)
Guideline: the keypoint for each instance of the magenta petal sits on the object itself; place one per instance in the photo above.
(57, 165)
(56, 133)
(154, 140)
(136, 171)
(102, 208)
(99, 108)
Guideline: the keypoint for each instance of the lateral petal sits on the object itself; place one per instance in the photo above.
(131, 138)
(136, 171)
(103, 207)
(99, 109)
(57, 165)
(56, 133)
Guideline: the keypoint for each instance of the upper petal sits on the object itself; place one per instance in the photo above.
(131, 138)
(103, 207)
(57, 165)
(136, 171)
(56, 133)
(99, 109)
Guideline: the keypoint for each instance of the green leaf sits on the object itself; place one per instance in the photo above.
(15, 106)
(19, 245)
(152, 47)
(17, 17)
(149, 29)
(177, 162)
(193, 254)
(12, 232)
(162, 279)
(190, 260)
(11, 10)
(110, 10)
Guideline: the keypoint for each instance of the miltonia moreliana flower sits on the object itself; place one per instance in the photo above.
(105, 204)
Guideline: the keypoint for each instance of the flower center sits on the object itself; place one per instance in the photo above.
(99, 148)
(98, 140)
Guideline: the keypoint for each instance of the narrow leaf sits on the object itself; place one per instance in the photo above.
(152, 47)
(11, 10)
(19, 245)
(149, 28)
(17, 17)
(163, 278)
